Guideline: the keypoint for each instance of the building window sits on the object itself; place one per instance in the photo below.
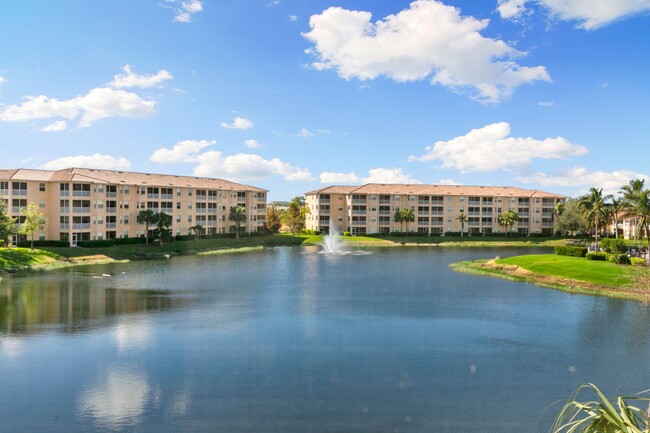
(41, 187)
(450, 199)
(41, 203)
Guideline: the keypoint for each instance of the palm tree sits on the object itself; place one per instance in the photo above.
(398, 219)
(198, 230)
(631, 193)
(508, 219)
(643, 213)
(594, 207)
(238, 216)
(146, 217)
(408, 216)
(617, 205)
(162, 221)
(463, 219)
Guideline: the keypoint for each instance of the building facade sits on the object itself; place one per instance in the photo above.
(88, 204)
(370, 209)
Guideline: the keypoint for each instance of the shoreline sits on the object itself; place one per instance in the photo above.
(488, 267)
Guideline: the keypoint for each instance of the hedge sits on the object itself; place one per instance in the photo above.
(637, 261)
(614, 246)
(129, 241)
(596, 256)
(27, 244)
(621, 259)
(570, 251)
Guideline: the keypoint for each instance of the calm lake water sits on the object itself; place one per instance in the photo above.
(287, 340)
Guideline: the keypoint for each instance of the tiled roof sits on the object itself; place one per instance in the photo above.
(125, 178)
(420, 189)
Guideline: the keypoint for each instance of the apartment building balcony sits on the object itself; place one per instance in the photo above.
(436, 223)
(358, 212)
(523, 214)
(324, 201)
(64, 210)
(111, 225)
(474, 203)
(111, 194)
(201, 210)
(167, 196)
(167, 209)
(547, 224)
(15, 209)
(358, 201)
(474, 213)
(64, 226)
(423, 202)
(547, 214)
(358, 223)
(437, 202)
(15, 192)
(437, 212)
(111, 209)
(474, 223)
(487, 202)
(486, 213)
(522, 223)
(423, 212)
(201, 197)
(153, 196)
(81, 226)
(64, 193)
(80, 193)
(80, 210)
(423, 223)
(384, 201)
(212, 211)
(212, 223)
(384, 212)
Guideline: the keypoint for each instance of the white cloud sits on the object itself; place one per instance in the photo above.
(99, 161)
(253, 144)
(183, 151)
(491, 148)
(448, 182)
(548, 104)
(590, 14)
(375, 175)
(511, 8)
(583, 178)
(2, 80)
(293, 18)
(131, 79)
(246, 166)
(238, 123)
(58, 125)
(98, 103)
(427, 40)
(330, 177)
(305, 133)
(186, 10)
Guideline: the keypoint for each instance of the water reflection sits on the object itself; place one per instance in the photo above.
(33, 305)
(117, 401)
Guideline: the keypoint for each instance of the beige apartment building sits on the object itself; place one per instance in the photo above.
(370, 209)
(88, 204)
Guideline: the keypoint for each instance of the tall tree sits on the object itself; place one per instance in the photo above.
(508, 220)
(408, 216)
(272, 222)
(643, 212)
(631, 193)
(163, 222)
(238, 216)
(296, 214)
(617, 206)
(570, 220)
(146, 217)
(34, 220)
(7, 225)
(198, 231)
(462, 218)
(399, 219)
(594, 207)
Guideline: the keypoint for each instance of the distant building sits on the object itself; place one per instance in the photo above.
(370, 208)
(88, 204)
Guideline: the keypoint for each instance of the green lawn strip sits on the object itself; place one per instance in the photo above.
(16, 259)
(569, 274)
(575, 268)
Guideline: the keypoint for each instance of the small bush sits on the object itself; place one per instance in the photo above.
(129, 241)
(614, 246)
(347, 234)
(620, 259)
(637, 261)
(570, 251)
(596, 256)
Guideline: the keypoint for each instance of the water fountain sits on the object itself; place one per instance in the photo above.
(332, 243)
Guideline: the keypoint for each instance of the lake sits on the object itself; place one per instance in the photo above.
(289, 340)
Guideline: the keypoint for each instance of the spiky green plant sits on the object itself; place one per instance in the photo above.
(601, 415)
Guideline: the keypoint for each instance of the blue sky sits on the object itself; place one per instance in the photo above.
(294, 95)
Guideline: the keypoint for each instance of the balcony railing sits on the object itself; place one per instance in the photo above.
(152, 195)
(200, 210)
(423, 223)
(64, 226)
(437, 202)
(384, 223)
(523, 214)
(384, 201)
(64, 193)
(474, 223)
(324, 200)
(64, 210)
(80, 210)
(358, 212)
(474, 203)
(111, 225)
(81, 193)
(15, 209)
(80, 226)
(201, 197)
(18, 192)
(423, 202)
(167, 196)
(111, 209)
(384, 212)
(423, 212)
(111, 194)
(358, 201)
(474, 213)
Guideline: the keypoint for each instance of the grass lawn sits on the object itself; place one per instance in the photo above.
(15, 259)
(576, 268)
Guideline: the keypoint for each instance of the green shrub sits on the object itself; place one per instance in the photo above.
(97, 244)
(614, 246)
(347, 234)
(570, 251)
(129, 241)
(27, 244)
(596, 256)
(637, 261)
(620, 259)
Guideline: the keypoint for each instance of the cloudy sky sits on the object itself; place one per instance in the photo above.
(293, 95)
